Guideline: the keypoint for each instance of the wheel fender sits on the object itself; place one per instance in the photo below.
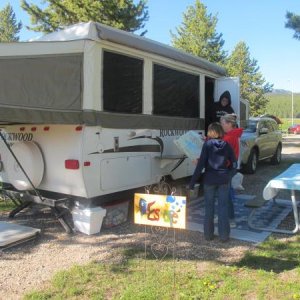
(30, 157)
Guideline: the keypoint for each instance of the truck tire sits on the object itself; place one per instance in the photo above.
(276, 158)
(251, 165)
(30, 157)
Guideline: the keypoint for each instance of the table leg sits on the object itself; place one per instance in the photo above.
(295, 211)
(296, 218)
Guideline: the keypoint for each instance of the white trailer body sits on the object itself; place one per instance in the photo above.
(90, 161)
(89, 130)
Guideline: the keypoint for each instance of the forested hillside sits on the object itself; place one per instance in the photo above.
(281, 105)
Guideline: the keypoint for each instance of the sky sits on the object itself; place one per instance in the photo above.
(258, 23)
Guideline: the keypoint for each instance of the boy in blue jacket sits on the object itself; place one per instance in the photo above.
(217, 159)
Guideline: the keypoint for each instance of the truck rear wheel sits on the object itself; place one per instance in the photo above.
(276, 158)
(251, 165)
(30, 157)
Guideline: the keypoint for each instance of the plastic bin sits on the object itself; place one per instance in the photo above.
(116, 213)
(88, 220)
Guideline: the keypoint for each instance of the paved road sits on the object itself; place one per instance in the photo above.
(291, 145)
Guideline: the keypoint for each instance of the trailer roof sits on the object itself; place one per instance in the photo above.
(97, 32)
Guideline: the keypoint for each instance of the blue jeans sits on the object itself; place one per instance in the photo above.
(231, 195)
(230, 204)
(221, 193)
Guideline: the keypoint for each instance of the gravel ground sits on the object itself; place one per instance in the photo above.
(30, 265)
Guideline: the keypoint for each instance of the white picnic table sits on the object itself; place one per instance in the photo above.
(287, 180)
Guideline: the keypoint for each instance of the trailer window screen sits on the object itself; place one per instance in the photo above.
(122, 83)
(47, 82)
(175, 93)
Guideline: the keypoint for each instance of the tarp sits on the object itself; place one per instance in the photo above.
(12, 234)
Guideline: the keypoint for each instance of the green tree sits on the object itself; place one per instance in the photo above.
(253, 86)
(197, 34)
(293, 22)
(9, 27)
(122, 14)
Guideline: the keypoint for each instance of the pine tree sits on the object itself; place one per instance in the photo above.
(197, 34)
(252, 84)
(293, 22)
(9, 27)
(122, 14)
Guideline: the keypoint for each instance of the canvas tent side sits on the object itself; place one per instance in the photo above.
(57, 78)
(41, 83)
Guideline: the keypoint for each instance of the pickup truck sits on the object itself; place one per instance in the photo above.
(260, 140)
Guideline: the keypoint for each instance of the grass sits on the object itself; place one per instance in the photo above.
(271, 271)
(287, 123)
(6, 205)
(280, 105)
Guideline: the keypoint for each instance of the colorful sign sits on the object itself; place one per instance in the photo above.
(160, 210)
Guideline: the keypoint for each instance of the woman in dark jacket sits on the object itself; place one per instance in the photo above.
(217, 160)
(221, 108)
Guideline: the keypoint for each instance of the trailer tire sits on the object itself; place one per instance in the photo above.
(30, 157)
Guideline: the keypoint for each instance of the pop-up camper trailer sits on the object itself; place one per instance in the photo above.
(91, 111)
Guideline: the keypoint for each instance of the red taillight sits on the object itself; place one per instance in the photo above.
(22, 128)
(87, 163)
(46, 128)
(72, 164)
(33, 128)
(78, 128)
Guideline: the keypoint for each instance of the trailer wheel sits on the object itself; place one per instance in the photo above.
(30, 157)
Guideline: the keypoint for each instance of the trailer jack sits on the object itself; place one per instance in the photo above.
(58, 207)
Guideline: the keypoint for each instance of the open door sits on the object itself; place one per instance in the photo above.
(231, 84)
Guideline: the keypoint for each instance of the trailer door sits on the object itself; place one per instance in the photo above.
(231, 84)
